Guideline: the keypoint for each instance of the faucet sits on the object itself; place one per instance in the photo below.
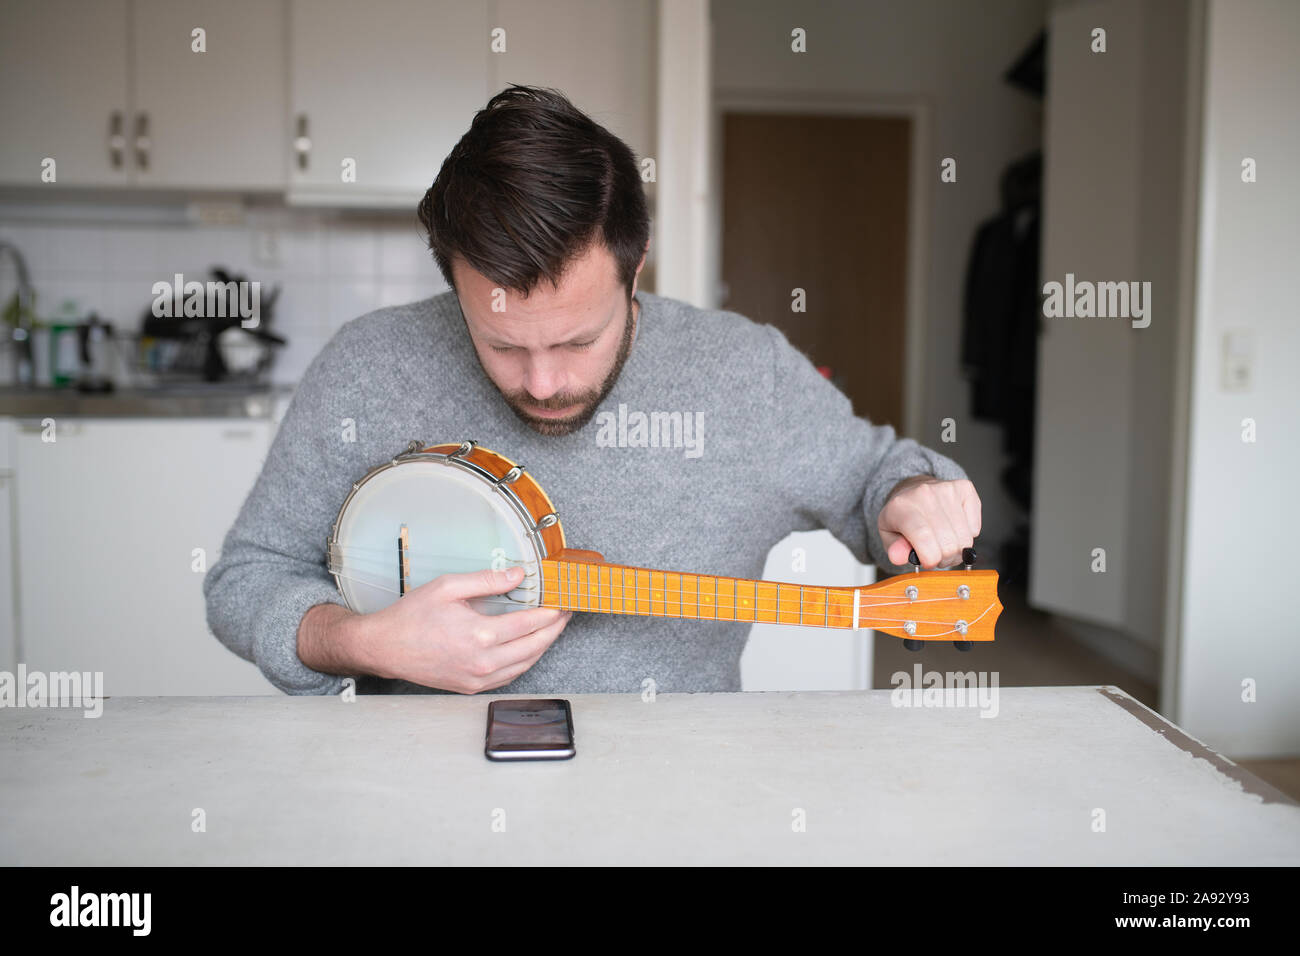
(22, 331)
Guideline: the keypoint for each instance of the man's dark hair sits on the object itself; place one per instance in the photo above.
(533, 184)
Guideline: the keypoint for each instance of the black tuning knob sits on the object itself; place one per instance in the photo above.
(962, 645)
(912, 644)
(968, 557)
(913, 560)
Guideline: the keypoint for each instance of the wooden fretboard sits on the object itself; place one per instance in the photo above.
(618, 589)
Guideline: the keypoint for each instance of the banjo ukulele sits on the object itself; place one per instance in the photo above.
(454, 508)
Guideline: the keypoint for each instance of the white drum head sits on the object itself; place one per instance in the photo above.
(456, 522)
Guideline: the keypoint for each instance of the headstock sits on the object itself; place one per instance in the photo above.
(961, 606)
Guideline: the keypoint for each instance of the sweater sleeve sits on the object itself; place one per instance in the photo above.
(272, 564)
(839, 468)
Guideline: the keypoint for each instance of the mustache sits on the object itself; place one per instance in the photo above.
(552, 404)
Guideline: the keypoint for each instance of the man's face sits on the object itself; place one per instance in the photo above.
(555, 355)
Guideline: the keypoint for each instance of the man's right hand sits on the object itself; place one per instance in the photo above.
(432, 637)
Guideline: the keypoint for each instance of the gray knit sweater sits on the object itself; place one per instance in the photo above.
(777, 450)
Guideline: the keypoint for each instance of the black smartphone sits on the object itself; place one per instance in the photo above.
(529, 730)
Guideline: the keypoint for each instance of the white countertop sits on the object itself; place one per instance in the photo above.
(687, 778)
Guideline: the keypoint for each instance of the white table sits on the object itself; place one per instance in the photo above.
(686, 778)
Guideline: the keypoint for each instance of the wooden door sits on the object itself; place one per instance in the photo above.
(820, 203)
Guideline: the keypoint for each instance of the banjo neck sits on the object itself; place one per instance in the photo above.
(925, 605)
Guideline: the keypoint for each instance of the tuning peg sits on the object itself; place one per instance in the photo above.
(968, 558)
(912, 644)
(962, 645)
(913, 560)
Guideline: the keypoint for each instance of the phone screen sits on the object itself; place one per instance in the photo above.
(529, 729)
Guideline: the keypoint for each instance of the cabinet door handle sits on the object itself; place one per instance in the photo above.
(116, 139)
(302, 142)
(142, 141)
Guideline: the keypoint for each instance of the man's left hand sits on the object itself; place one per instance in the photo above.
(933, 517)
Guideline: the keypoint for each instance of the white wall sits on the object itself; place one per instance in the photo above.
(948, 58)
(1239, 610)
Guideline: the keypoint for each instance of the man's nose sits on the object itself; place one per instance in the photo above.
(543, 378)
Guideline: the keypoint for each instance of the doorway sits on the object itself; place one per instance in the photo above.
(822, 203)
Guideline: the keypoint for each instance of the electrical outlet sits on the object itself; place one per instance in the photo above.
(266, 247)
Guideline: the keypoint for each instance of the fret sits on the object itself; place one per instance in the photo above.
(801, 606)
(680, 595)
(734, 603)
(622, 588)
(715, 598)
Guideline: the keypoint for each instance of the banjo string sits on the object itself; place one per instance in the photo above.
(864, 600)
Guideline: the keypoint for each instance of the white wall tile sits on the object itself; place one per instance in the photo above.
(138, 251)
(302, 252)
(72, 249)
(347, 299)
(404, 253)
(350, 251)
(402, 291)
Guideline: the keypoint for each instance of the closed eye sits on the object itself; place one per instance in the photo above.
(572, 345)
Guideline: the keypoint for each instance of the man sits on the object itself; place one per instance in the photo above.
(538, 221)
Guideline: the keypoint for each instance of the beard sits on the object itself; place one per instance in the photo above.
(589, 400)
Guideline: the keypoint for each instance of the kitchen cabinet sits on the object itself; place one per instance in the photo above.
(216, 119)
(600, 54)
(63, 91)
(109, 517)
(388, 86)
(114, 93)
(329, 101)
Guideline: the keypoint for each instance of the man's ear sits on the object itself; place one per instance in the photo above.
(640, 265)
